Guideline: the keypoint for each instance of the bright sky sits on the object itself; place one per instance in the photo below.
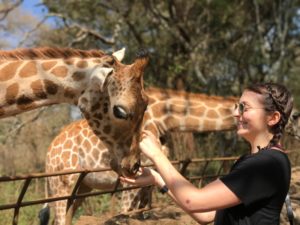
(34, 7)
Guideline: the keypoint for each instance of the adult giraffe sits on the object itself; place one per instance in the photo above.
(77, 147)
(109, 93)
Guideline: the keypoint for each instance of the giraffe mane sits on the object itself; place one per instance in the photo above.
(49, 53)
(170, 92)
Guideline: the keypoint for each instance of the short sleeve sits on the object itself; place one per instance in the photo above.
(253, 179)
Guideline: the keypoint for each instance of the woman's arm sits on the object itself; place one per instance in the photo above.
(202, 218)
(151, 177)
(212, 197)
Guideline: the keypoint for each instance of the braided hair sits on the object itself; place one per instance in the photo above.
(276, 98)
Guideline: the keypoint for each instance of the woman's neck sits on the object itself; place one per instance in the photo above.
(260, 141)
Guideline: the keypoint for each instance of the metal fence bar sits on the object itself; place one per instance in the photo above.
(21, 196)
(74, 195)
(43, 175)
(70, 203)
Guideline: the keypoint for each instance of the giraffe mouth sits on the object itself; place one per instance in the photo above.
(125, 169)
(131, 171)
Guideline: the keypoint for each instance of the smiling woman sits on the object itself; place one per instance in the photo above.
(256, 187)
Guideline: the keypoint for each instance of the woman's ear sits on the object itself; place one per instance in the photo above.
(274, 118)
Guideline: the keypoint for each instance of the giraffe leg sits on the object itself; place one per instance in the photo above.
(70, 211)
(58, 187)
(60, 212)
(136, 199)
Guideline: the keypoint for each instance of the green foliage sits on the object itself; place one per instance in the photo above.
(212, 46)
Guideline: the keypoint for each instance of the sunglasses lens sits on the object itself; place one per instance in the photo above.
(241, 108)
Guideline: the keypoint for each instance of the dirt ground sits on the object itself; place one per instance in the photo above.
(163, 215)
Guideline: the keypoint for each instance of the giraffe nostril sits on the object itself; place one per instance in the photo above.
(120, 112)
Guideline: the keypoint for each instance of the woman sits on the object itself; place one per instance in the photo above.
(255, 189)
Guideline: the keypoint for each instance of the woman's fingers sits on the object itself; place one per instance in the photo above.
(145, 178)
(127, 180)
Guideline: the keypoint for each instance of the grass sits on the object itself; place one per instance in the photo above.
(11, 192)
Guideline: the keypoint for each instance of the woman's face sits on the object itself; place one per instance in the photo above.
(253, 120)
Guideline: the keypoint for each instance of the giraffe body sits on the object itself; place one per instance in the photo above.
(77, 147)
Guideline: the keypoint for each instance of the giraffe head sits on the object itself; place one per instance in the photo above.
(114, 105)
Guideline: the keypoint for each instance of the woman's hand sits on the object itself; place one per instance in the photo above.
(147, 177)
(150, 145)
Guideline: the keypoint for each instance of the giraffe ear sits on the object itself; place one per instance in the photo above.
(119, 54)
(99, 76)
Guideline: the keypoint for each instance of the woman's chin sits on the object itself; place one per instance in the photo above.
(242, 132)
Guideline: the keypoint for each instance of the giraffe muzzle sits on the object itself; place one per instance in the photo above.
(130, 171)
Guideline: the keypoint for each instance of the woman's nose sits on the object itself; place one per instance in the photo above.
(236, 112)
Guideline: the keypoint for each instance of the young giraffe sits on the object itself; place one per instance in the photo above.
(77, 147)
(109, 93)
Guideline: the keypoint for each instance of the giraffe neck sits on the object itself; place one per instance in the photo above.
(27, 84)
(170, 110)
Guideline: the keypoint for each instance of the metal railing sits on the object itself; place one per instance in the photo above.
(181, 164)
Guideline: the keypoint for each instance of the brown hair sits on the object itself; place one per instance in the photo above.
(276, 98)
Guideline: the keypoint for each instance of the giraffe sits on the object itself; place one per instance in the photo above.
(293, 126)
(77, 146)
(109, 94)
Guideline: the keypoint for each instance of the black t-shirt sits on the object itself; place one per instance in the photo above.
(261, 181)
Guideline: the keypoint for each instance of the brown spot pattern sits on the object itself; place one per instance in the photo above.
(212, 114)
(28, 106)
(171, 121)
(158, 110)
(28, 70)
(107, 129)
(60, 71)
(37, 89)
(74, 160)
(191, 122)
(24, 100)
(9, 71)
(94, 140)
(209, 125)
(69, 61)
(82, 64)
(66, 156)
(199, 111)
(51, 87)
(78, 76)
(68, 144)
(178, 109)
(11, 93)
(95, 154)
(48, 65)
(87, 145)
(70, 93)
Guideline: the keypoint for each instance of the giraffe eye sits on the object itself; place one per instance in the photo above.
(120, 112)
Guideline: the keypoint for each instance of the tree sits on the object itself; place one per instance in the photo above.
(212, 46)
